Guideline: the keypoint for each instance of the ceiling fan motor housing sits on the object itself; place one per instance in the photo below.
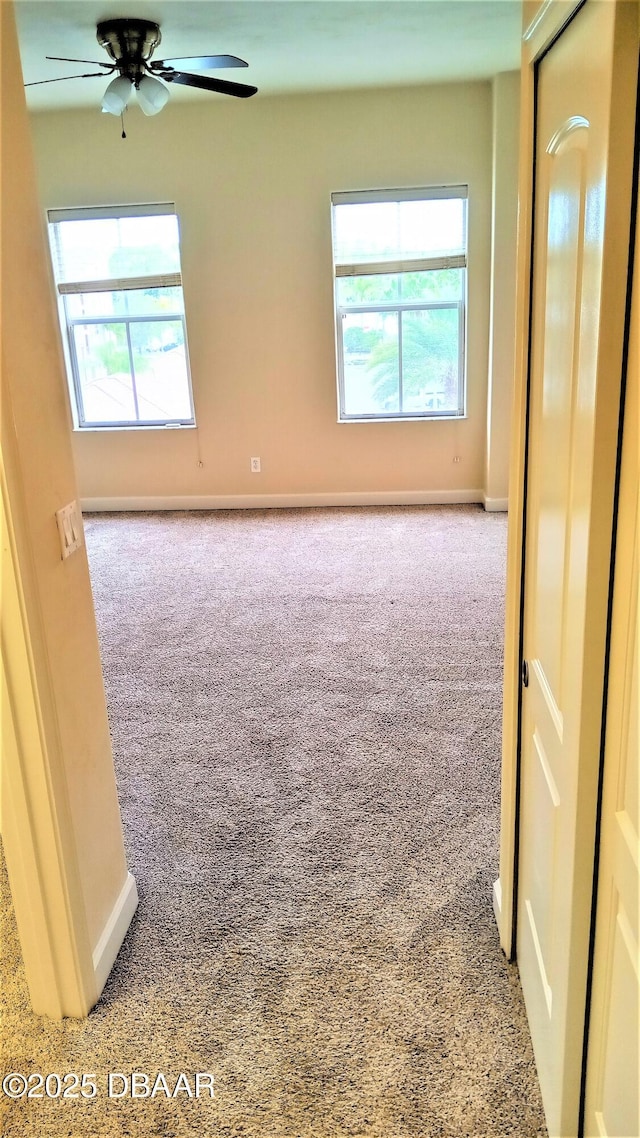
(129, 43)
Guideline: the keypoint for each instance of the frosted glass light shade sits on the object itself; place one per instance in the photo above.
(152, 95)
(117, 95)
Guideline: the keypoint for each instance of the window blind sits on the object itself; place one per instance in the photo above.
(115, 247)
(391, 231)
(119, 284)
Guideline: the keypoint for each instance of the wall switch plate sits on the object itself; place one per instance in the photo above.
(69, 522)
(255, 465)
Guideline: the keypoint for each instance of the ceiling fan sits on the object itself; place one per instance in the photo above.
(130, 45)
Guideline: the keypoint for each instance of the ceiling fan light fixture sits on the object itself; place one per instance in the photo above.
(117, 95)
(152, 95)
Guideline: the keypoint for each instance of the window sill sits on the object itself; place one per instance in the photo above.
(89, 430)
(403, 419)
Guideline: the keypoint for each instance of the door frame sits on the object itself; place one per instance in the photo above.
(623, 649)
(69, 885)
(34, 811)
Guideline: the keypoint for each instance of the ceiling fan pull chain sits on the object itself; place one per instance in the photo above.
(124, 133)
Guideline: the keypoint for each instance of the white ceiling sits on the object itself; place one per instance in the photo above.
(290, 45)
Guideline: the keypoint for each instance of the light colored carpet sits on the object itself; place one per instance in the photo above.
(305, 708)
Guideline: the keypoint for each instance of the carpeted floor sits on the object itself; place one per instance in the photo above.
(305, 709)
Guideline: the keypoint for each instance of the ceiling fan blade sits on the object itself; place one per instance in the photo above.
(61, 78)
(200, 62)
(222, 86)
(65, 59)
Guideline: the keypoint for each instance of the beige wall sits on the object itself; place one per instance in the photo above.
(251, 181)
(55, 628)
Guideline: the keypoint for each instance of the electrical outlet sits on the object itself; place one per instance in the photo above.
(255, 465)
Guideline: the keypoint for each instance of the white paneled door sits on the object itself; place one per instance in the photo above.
(583, 165)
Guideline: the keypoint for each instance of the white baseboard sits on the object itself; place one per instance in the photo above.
(495, 505)
(114, 932)
(497, 904)
(283, 501)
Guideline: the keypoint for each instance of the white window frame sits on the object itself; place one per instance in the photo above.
(114, 284)
(366, 268)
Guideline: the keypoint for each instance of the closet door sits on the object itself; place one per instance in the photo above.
(583, 164)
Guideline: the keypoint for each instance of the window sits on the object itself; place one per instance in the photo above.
(117, 272)
(400, 284)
